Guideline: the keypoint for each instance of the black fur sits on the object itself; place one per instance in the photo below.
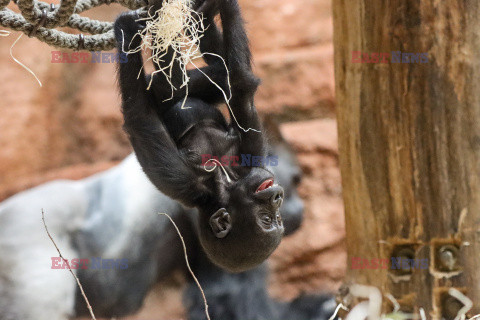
(239, 221)
(243, 296)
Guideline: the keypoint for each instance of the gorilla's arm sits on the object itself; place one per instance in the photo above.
(157, 153)
(163, 163)
(243, 82)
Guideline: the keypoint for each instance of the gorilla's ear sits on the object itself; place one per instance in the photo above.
(221, 223)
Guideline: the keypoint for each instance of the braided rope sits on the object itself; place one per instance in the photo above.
(39, 20)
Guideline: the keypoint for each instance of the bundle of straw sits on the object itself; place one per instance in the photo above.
(175, 26)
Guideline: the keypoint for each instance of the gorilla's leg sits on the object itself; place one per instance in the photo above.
(29, 288)
(240, 296)
(36, 291)
(311, 307)
(243, 296)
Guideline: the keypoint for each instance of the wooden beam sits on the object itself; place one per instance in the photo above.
(409, 138)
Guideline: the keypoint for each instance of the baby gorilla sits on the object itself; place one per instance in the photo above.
(239, 221)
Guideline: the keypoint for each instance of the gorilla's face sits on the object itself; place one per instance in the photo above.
(249, 228)
(243, 232)
(288, 175)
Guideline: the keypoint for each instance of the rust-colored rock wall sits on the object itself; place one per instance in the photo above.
(313, 258)
(71, 127)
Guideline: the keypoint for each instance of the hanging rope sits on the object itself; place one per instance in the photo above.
(39, 19)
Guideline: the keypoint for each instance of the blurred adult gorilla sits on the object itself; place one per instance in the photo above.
(112, 215)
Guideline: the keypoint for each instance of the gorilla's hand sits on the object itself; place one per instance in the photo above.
(209, 8)
(126, 29)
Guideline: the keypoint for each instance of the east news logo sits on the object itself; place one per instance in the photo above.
(389, 57)
(89, 57)
(96, 263)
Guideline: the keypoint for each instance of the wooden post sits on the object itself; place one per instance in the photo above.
(409, 136)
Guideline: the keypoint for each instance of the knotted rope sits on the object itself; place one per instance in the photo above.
(39, 19)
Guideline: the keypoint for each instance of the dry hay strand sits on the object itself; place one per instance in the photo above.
(187, 263)
(6, 33)
(89, 307)
(370, 309)
(215, 164)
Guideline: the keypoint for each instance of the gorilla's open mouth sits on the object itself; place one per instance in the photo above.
(265, 185)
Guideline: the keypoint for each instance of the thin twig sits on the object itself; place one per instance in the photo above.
(73, 274)
(188, 264)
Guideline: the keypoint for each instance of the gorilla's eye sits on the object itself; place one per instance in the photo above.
(267, 220)
(297, 179)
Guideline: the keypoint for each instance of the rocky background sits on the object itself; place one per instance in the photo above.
(71, 128)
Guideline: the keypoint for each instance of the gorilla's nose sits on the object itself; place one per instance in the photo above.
(277, 198)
